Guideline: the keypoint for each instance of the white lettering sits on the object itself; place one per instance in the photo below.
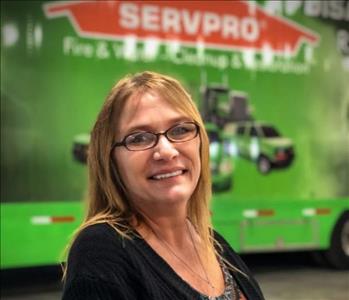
(312, 8)
(343, 41)
(336, 10)
(150, 18)
(191, 58)
(128, 15)
(72, 46)
(170, 20)
(211, 23)
(273, 7)
(67, 44)
(102, 51)
(330, 9)
(292, 6)
(195, 23)
(230, 27)
(191, 24)
(249, 29)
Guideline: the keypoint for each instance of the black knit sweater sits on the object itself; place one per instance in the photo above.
(103, 265)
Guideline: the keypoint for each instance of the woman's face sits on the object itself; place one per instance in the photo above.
(162, 176)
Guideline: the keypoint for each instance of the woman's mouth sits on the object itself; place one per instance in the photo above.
(167, 175)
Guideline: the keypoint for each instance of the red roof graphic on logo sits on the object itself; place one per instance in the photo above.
(216, 24)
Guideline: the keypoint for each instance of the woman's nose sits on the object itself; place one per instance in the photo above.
(165, 149)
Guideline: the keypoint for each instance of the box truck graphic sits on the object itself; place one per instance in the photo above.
(60, 59)
(259, 142)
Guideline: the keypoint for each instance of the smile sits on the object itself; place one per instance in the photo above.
(168, 175)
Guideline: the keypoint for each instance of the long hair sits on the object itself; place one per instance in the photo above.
(107, 198)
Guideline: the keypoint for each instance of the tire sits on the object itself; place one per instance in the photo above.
(222, 186)
(338, 253)
(319, 259)
(263, 165)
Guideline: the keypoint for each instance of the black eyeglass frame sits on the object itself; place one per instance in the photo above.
(123, 142)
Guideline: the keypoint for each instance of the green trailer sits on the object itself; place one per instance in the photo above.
(270, 61)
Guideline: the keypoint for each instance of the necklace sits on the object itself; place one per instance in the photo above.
(197, 254)
(168, 247)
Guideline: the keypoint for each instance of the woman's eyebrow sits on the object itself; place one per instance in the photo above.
(139, 127)
(151, 127)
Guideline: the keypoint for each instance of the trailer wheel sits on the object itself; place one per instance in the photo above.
(338, 253)
(319, 259)
(263, 164)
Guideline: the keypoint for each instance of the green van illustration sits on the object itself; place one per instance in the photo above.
(263, 144)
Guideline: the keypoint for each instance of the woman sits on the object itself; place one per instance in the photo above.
(147, 234)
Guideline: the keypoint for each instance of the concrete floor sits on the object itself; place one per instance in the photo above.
(281, 277)
(294, 276)
(304, 284)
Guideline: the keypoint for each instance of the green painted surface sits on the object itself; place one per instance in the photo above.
(53, 83)
(287, 229)
(29, 238)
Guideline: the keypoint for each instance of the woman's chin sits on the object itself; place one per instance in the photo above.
(176, 195)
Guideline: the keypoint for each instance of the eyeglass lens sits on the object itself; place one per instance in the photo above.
(178, 133)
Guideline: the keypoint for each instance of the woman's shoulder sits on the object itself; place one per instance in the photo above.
(99, 263)
(97, 230)
(92, 236)
(95, 247)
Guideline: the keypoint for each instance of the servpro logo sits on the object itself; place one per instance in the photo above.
(235, 25)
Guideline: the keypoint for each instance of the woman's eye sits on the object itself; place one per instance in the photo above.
(179, 130)
(139, 138)
(182, 130)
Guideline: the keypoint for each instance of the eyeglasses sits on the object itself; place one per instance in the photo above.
(178, 133)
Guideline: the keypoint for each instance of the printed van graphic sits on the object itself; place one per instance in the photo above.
(236, 26)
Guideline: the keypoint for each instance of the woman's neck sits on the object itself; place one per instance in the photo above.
(171, 228)
(167, 221)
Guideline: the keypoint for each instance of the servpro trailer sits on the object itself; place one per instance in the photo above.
(269, 77)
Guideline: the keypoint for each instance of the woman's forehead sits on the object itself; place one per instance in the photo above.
(147, 108)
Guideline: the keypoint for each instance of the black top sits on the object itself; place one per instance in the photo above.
(103, 265)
